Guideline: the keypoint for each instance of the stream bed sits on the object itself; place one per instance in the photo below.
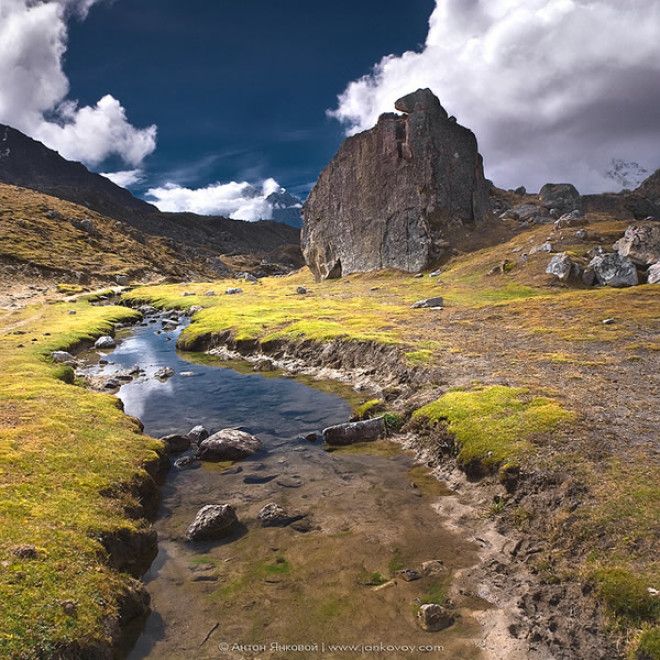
(286, 592)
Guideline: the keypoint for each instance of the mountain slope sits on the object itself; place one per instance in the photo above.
(27, 163)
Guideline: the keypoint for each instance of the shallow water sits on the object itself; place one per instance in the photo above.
(369, 510)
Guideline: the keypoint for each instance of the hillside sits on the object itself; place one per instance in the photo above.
(27, 163)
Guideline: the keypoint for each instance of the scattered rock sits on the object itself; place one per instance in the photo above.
(410, 574)
(248, 277)
(273, 515)
(573, 219)
(544, 247)
(561, 266)
(197, 434)
(429, 303)
(105, 342)
(561, 196)
(213, 521)
(63, 357)
(72, 312)
(26, 551)
(210, 294)
(264, 364)
(69, 607)
(521, 190)
(588, 276)
(433, 568)
(527, 213)
(608, 321)
(301, 290)
(612, 269)
(228, 445)
(505, 266)
(653, 276)
(175, 443)
(232, 291)
(164, 373)
(290, 481)
(187, 463)
(435, 273)
(432, 617)
(194, 309)
(640, 243)
(363, 431)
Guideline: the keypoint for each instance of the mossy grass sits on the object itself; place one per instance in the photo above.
(62, 450)
(493, 425)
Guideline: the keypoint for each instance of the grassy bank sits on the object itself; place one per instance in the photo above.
(560, 363)
(69, 462)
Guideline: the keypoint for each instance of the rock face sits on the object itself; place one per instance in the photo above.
(393, 194)
(213, 521)
(228, 445)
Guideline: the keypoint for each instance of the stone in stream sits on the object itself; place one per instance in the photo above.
(175, 443)
(164, 373)
(347, 434)
(197, 434)
(213, 521)
(105, 342)
(187, 463)
(228, 445)
(432, 617)
(273, 515)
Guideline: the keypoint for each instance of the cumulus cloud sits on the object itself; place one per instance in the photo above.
(124, 178)
(33, 95)
(554, 89)
(241, 201)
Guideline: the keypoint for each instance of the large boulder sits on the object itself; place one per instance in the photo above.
(611, 269)
(561, 196)
(213, 521)
(394, 195)
(641, 243)
(562, 267)
(228, 445)
(653, 276)
(432, 617)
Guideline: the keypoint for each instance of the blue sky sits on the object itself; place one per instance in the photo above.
(212, 106)
(238, 89)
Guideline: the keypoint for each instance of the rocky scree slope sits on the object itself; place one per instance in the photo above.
(397, 195)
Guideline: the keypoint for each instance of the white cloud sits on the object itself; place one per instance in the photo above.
(553, 89)
(33, 95)
(124, 178)
(241, 201)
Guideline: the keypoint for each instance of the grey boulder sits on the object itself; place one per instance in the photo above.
(213, 521)
(573, 219)
(175, 443)
(197, 434)
(273, 515)
(653, 276)
(611, 269)
(63, 357)
(432, 617)
(561, 266)
(105, 342)
(640, 243)
(561, 196)
(228, 445)
(429, 303)
(347, 434)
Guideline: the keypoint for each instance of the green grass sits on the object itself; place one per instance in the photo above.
(61, 448)
(493, 425)
(626, 595)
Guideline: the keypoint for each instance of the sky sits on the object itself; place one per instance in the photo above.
(211, 106)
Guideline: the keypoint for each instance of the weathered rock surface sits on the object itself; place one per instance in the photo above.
(641, 243)
(561, 266)
(611, 269)
(228, 445)
(433, 618)
(428, 303)
(213, 521)
(273, 515)
(654, 274)
(346, 434)
(105, 342)
(175, 443)
(561, 196)
(197, 434)
(63, 357)
(392, 194)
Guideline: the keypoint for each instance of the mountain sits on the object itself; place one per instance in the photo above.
(287, 208)
(28, 163)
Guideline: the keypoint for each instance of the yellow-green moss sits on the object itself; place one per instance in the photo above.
(626, 594)
(648, 644)
(368, 408)
(494, 424)
(61, 447)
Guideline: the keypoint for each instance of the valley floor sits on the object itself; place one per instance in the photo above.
(551, 412)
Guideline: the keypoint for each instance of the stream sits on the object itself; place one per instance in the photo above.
(285, 592)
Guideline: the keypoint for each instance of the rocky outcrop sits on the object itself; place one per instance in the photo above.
(393, 196)
(641, 243)
(561, 196)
